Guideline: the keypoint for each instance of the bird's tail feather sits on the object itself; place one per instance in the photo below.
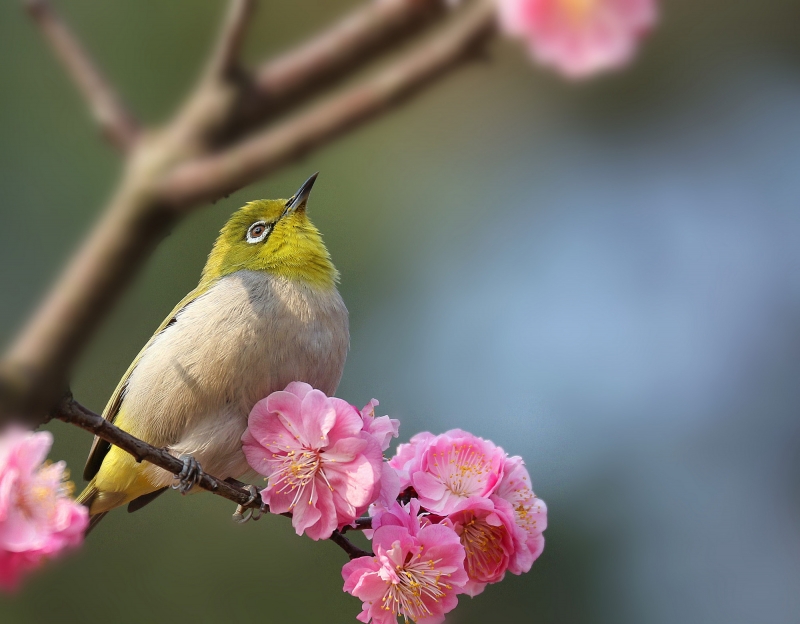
(94, 521)
(98, 503)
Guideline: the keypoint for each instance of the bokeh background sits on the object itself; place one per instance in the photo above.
(601, 277)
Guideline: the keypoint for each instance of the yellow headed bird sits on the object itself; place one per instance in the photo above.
(266, 312)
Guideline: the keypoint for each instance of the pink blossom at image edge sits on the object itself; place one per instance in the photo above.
(579, 38)
(38, 520)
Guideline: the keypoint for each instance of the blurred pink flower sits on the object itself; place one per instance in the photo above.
(579, 37)
(487, 531)
(320, 464)
(37, 518)
(382, 428)
(530, 513)
(450, 468)
(415, 573)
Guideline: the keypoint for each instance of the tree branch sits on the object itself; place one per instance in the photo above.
(70, 411)
(217, 175)
(353, 551)
(116, 123)
(226, 56)
(346, 46)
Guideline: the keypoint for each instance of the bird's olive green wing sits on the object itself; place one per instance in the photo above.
(100, 447)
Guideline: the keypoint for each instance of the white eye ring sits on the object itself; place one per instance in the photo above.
(258, 232)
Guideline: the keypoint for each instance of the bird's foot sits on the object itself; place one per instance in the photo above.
(242, 515)
(190, 476)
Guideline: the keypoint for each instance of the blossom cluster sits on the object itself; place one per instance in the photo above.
(450, 513)
(38, 519)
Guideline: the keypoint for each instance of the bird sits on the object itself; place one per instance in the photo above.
(266, 312)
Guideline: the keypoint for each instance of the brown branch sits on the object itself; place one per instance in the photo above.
(353, 551)
(70, 411)
(360, 524)
(114, 119)
(226, 56)
(217, 175)
(346, 46)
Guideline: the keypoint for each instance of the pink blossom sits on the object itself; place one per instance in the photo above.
(395, 514)
(38, 520)
(490, 538)
(453, 467)
(530, 513)
(415, 573)
(382, 428)
(320, 463)
(406, 455)
(579, 37)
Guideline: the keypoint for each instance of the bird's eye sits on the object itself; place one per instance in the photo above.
(257, 232)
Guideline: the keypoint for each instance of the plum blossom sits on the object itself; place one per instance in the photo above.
(453, 467)
(416, 572)
(38, 520)
(490, 538)
(406, 455)
(319, 462)
(579, 37)
(530, 513)
(382, 428)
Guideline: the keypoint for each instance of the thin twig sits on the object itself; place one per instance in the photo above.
(70, 411)
(217, 175)
(226, 55)
(351, 549)
(114, 119)
(360, 524)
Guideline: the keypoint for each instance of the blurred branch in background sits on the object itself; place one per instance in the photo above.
(213, 146)
(113, 117)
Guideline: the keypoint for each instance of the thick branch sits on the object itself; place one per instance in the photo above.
(349, 44)
(118, 125)
(215, 176)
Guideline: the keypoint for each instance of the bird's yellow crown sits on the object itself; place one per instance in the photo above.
(273, 235)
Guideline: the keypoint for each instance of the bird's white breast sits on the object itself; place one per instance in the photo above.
(251, 334)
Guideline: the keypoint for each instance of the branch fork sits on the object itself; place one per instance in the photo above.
(216, 144)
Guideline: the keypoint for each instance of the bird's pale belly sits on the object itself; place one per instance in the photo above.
(248, 336)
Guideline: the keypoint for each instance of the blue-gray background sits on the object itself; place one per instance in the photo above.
(602, 277)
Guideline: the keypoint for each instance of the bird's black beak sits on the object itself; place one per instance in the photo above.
(299, 199)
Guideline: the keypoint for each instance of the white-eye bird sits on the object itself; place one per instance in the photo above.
(265, 313)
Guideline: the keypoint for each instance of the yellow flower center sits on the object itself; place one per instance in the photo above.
(482, 543)
(296, 470)
(463, 470)
(417, 580)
